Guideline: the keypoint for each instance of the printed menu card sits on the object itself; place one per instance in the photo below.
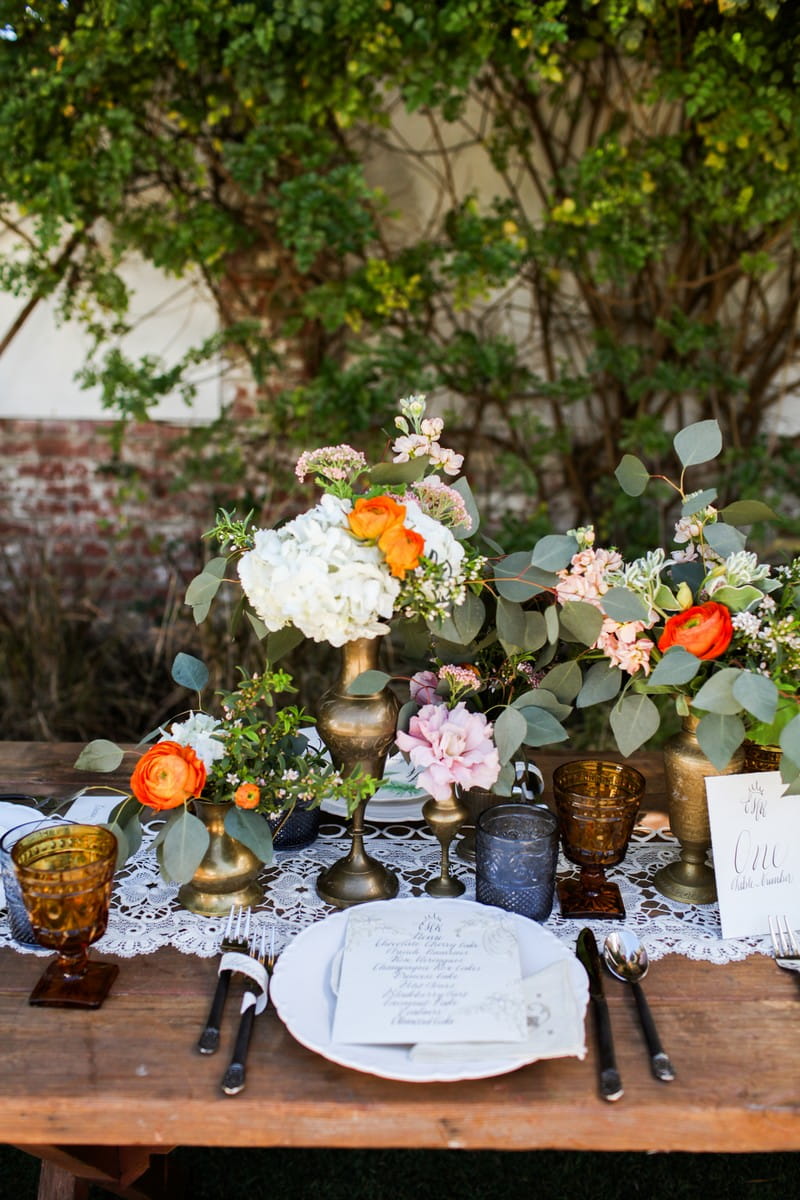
(755, 834)
(425, 972)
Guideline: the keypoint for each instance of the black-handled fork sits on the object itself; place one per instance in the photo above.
(234, 1079)
(235, 938)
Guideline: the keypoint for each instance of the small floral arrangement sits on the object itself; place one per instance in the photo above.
(254, 758)
(453, 746)
(383, 540)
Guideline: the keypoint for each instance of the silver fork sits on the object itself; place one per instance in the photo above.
(784, 943)
(235, 938)
(233, 1080)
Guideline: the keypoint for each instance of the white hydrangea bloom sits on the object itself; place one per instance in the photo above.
(311, 573)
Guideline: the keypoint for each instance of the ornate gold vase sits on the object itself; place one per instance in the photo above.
(761, 758)
(690, 880)
(358, 731)
(228, 873)
(445, 818)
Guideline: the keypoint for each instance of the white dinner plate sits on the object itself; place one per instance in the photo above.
(397, 799)
(301, 991)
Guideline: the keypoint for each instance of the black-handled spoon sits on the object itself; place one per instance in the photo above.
(626, 959)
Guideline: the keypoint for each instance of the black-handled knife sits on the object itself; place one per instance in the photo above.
(610, 1082)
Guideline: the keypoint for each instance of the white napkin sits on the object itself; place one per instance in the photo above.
(555, 1025)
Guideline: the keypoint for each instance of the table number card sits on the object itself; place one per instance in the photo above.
(755, 834)
(425, 972)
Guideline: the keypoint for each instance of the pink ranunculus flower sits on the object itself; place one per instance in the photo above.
(422, 688)
(453, 746)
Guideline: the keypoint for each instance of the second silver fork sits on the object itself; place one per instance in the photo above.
(235, 937)
(784, 943)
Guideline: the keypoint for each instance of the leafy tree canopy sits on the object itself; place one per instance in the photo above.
(621, 255)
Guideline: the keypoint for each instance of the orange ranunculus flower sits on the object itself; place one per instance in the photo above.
(372, 516)
(168, 775)
(705, 630)
(402, 549)
(247, 795)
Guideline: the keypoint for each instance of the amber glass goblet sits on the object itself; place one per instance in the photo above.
(65, 875)
(596, 805)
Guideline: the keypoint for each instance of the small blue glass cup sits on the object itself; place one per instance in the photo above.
(516, 852)
(18, 921)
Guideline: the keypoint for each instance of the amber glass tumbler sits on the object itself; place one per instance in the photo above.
(65, 875)
(597, 804)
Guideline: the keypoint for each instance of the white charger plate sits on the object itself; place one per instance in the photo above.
(397, 799)
(301, 991)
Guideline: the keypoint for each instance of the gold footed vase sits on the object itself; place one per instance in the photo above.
(358, 731)
(228, 873)
(690, 880)
(445, 818)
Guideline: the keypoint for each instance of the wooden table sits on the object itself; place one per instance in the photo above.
(95, 1095)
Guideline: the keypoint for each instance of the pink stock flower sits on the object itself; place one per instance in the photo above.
(623, 646)
(453, 746)
(422, 688)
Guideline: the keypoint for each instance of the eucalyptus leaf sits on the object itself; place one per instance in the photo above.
(738, 599)
(407, 711)
(504, 784)
(124, 850)
(601, 683)
(368, 683)
(216, 566)
(757, 694)
(790, 774)
(690, 573)
(551, 622)
(697, 502)
(677, 666)
(282, 642)
(623, 605)
(251, 829)
(184, 845)
(542, 728)
(720, 735)
(200, 612)
(747, 512)
(632, 475)
(511, 625)
(724, 539)
(464, 622)
(510, 729)
(203, 588)
(517, 579)
(564, 680)
(554, 551)
(460, 532)
(698, 443)
(257, 625)
(790, 739)
(717, 693)
(580, 622)
(99, 755)
(189, 672)
(544, 698)
(535, 631)
(633, 719)
(406, 472)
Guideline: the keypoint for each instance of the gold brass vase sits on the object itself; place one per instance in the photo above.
(690, 880)
(228, 872)
(358, 731)
(445, 818)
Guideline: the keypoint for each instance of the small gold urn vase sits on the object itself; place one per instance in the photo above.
(445, 818)
(690, 880)
(358, 730)
(228, 873)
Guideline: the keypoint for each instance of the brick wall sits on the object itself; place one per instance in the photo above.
(63, 497)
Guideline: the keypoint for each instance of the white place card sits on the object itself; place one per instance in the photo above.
(425, 972)
(755, 834)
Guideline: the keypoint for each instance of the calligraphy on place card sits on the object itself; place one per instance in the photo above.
(429, 972)
(755, 834)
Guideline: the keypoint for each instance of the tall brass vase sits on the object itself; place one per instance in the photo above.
(358, 731)
(690, 880)
(228, 873)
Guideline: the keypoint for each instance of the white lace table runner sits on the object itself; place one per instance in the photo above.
(145, 914)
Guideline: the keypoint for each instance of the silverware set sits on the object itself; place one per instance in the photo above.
(784, 944)
(626, 959)
(255, 965)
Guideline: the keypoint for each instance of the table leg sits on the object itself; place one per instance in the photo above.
(131, 1172)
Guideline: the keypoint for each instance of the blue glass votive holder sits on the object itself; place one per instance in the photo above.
(516, 852)
(18, 922)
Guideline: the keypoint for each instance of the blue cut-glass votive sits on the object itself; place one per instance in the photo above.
(516, 851)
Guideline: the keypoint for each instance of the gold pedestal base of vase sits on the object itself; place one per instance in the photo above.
(228, 874)
(219, 904)
(445, 819)
(689, 880)
(356, 878)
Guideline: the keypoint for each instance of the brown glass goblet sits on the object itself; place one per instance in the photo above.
(596, 805)
(65, 875)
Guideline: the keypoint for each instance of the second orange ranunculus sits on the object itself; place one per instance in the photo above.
(705, 630)
(372, 516)
(168, 775)
(402, 548)
(247, 795)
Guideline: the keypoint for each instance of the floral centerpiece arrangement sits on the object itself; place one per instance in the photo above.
(254, 759)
